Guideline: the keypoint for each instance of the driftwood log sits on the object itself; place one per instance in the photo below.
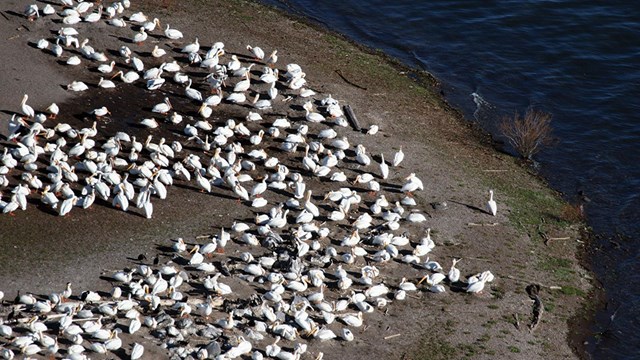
(538, 308)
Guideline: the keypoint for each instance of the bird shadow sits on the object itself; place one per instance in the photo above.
(472, 207)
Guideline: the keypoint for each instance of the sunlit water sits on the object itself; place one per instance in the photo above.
(578, 60)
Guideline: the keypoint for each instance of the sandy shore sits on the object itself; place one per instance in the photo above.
(40, 252)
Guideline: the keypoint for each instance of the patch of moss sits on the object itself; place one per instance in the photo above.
(514, 349)
(435, 348)
(572, 291)
(561, 268)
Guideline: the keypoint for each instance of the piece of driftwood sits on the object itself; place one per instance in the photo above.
(352, 118)
(538, 308)
(482, 224)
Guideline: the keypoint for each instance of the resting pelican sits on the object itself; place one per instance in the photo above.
(77, 86)
(194, 47)
(163, 107)
(191, 93)
(312, 116)
(492, 207)
(140, 37)
(413, 184)
(173, 33)
(137, 351)
(158, 52)
(128, 78)
(26, 109)
(106, 84)
(257, 52)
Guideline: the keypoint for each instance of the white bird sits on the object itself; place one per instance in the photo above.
(26, 109)
(398, 157)
(191, 48)
(384, 168)
(77, 86)
(140, 37)
(137, 351)
(172, 33)
(257, 52)
(454, 273)
(492, 207)
(128, 78)
(413, 183)
(191, 93)
(163, 107)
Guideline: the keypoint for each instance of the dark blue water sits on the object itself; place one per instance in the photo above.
(578, 60)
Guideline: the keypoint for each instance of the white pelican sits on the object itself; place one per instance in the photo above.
(398, 157)
(106, 84)
(42, 44)
(138, 17)
(478, 285)
(73, 61)
(151, 25)
(77, 86)
(163, 107)
(413, 183)
(137, 351)
(172, 33)
(492, 207)
(272, 59)
(191, 93)
(454, 273)
(26, 109)
(242, 85)
(128, 78)
(257, 52)
(310, 115)
(94, 16)
(158, 52)
(106, 68)
(102, 111)
(117, 22)
(194, 47)
(384, 168)
(140, 37)
(261, 104)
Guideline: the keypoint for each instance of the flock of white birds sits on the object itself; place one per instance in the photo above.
(302, 276)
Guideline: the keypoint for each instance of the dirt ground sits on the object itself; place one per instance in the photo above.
(41, 252)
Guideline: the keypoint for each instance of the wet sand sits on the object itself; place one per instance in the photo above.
(41, 251)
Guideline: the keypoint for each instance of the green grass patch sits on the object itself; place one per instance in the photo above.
(435, 348)
(514, 349)
(572, 291)
(561, 268)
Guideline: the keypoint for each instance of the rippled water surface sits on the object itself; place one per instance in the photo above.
(578, 60)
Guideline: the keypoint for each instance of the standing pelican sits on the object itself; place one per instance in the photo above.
(384, 168)
(26, 109)
(398, 157)
(492, 207)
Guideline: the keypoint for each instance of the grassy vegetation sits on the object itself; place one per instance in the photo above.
(514, 349)
(561, 268)
(379, 68)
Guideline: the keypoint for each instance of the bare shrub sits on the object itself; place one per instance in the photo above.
(528, 134)
(572, 213)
